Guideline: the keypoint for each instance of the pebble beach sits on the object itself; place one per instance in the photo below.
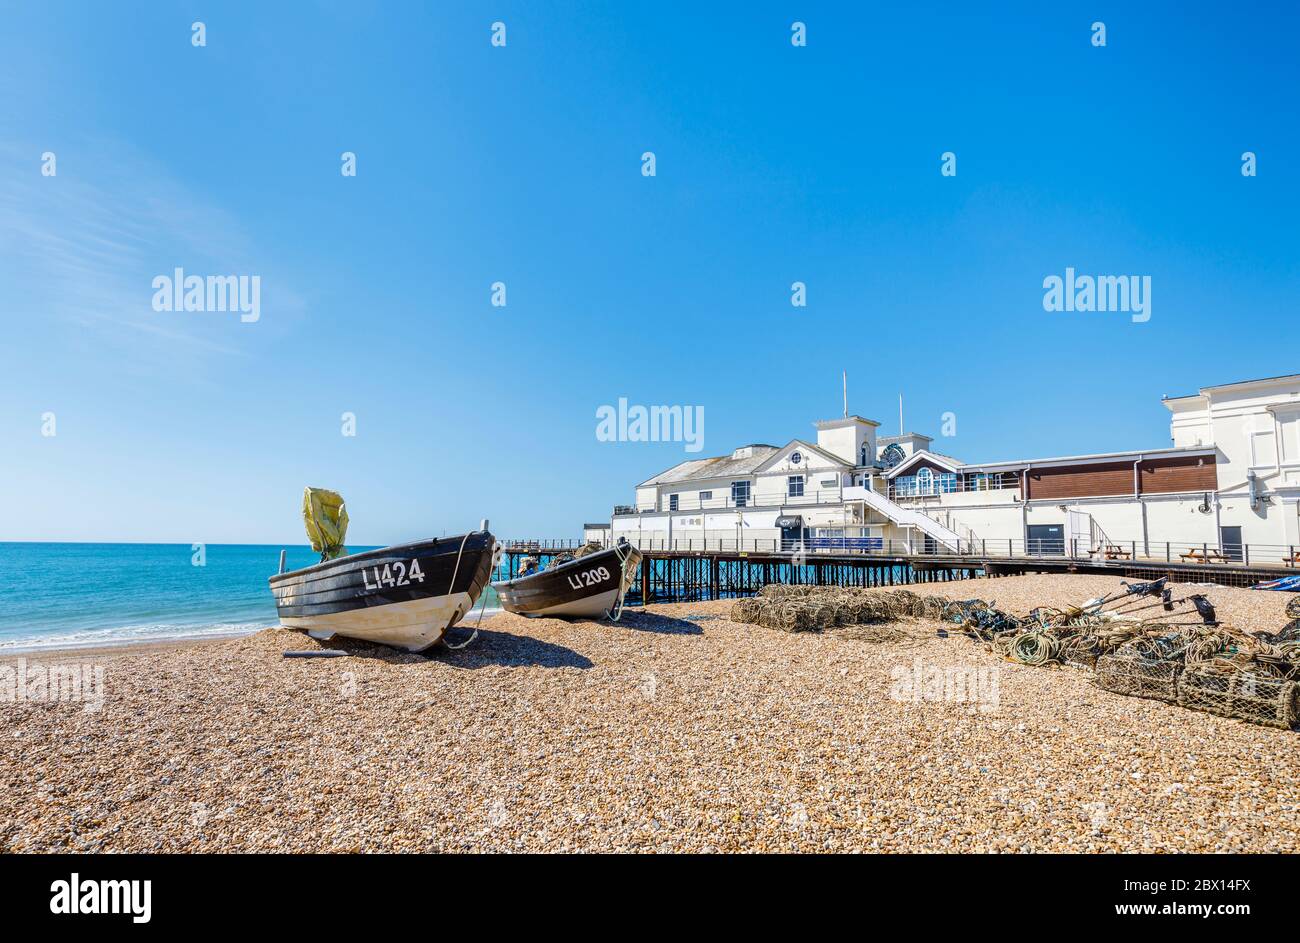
(675, 730)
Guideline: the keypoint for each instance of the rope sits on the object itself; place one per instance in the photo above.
(616, 612)
(451, 589)
(481, 607)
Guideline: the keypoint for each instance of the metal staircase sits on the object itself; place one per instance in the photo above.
(940, 533)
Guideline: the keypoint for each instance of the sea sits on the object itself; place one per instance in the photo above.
(70, 595)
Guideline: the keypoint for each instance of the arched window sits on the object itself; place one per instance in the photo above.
(925, 481)
(862, 456)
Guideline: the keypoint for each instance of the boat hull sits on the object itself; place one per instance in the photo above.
(588, 587)
(406, 596)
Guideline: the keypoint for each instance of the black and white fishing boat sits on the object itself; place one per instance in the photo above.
(406, 596)
(590, 586)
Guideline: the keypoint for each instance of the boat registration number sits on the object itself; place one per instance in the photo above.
(588, 577)
(392, 574)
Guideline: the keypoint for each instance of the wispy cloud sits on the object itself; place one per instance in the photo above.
(84, 247)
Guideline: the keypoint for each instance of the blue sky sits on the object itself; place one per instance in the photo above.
(522, 164)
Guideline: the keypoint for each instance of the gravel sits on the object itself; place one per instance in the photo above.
(656, 734)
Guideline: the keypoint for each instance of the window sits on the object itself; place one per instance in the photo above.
(863, 455)
(829, 482)
(740, 493)
(672, 502)
(925, 481)
(705, 496)
(794, 486)
(947, 482)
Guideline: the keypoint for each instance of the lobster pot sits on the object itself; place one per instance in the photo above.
(747, 609)
(1131, 674)
(1241, 694)
(1079, 654)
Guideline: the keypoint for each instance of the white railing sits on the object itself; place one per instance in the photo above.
(1135, 551)
(910, 487)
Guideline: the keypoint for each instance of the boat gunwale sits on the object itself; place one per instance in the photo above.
(554, 569)
(367, 555)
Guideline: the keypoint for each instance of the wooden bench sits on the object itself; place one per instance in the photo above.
(1203, 556)
(1110, 552)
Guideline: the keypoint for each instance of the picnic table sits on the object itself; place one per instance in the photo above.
(1293, 560)
(1203, 556)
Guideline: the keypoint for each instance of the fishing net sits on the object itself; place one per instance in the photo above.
(587, 548)
(1222, 688)
(930, 607)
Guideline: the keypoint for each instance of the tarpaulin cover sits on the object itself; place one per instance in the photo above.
(326, 517)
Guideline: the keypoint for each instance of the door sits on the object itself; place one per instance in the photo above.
(1079, 534)
(1045, 539)
(1230, 542)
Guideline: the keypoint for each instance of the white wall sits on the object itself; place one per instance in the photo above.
(846, 438)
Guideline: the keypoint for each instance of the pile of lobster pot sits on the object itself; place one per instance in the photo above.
(1218, 669)
(1214, 667)
(815, 608)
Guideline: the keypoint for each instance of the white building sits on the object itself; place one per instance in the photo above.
(1227, 484)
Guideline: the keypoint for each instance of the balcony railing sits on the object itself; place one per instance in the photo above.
(901, 489)
(811, 498)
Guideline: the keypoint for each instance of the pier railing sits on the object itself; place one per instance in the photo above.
(1282, 556)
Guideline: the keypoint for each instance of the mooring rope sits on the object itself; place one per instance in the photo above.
(451, 589)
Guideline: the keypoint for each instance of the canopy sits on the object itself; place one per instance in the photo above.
(326, 517)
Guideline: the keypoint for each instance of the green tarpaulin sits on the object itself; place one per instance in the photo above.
(326, 517)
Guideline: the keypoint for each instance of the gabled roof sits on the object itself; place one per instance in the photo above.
(946, 462)
(722, 466)
(803, 447)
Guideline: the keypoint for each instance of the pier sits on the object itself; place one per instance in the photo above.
(683, 574)
(691, 575)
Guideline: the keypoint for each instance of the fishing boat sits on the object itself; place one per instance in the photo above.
(406, 596)
(589, 586)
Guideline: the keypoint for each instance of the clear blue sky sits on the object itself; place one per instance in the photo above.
(522, 164)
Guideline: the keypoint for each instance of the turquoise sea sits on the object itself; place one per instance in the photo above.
(66, 595)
